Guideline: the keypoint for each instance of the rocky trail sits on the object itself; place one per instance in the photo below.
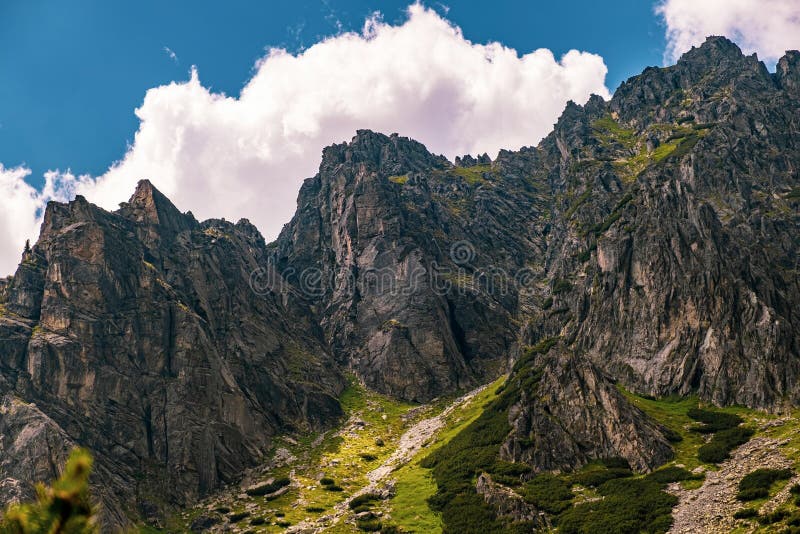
(418, 437)
(710, 508)
(410, 444)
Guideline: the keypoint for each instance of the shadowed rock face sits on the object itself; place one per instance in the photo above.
(657, 231)
(138, 335)
(575, 414)
(655, 236)
(397, 239)
(694, 284)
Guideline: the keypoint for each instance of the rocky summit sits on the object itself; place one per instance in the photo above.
(647, 249)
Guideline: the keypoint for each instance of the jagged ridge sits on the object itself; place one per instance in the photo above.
(656, 235)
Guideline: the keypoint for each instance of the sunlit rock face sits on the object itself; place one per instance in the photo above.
(652, 238)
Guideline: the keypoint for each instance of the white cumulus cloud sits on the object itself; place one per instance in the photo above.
(767, 27)
(246, 156)
(21, 208)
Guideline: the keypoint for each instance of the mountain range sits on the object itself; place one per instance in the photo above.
(649, 246)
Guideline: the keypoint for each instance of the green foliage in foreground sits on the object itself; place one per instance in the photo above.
(62, 508)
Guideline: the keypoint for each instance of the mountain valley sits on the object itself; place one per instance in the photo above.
(597, 334)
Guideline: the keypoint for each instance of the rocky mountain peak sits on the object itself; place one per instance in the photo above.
(58, 215)
(469, 161)
(150, 207)
(719, 61)
(649, 243)
(787, 72)
(387, 154)
(188, 330)
(715, 50)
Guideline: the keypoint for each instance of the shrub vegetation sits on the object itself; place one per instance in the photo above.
(363, 499)
(629, 506)
(548, 492)
(722, 443)
(269, 487)
(756, 485)
(727, 434)
(745, 513)
(713, 421)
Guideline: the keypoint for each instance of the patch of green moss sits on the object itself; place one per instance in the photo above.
(473, 175)
(400, 179)
(685, 146)
(609, 132)
(664, 150)
(578, 202)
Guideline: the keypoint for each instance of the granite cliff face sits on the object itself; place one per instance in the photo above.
(650, 241)
(574, 414)
(138, 335)
(401, 247)
(680, 232)
(657, 232)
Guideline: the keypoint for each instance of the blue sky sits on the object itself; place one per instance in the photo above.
(226, 106)
(73, 72)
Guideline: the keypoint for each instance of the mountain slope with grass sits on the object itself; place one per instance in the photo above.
(632, 278)
(440, 469)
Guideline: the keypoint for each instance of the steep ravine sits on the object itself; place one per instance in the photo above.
(350, 457)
